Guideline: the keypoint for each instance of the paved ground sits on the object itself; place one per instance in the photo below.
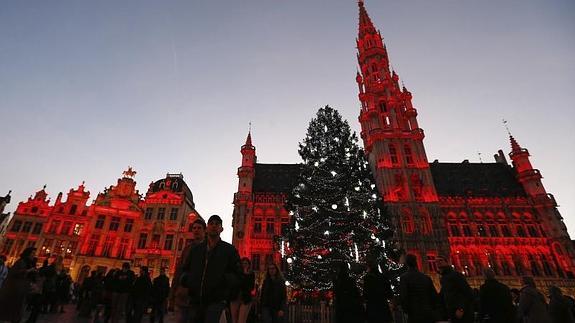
(71, 315)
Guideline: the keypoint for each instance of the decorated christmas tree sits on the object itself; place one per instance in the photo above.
(337, 214)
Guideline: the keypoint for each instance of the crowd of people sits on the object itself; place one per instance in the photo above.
(213, 285)
(39, 290)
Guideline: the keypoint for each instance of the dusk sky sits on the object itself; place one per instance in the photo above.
(88, 88)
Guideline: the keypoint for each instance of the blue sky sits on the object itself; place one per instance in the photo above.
(88, 88)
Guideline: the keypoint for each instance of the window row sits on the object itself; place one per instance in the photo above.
(494, 230)
(58, 247)
(154, 242)
(13, 247)
(270, 226)
(111, 247)
(26, 226)
(114, 224)
(161, 213)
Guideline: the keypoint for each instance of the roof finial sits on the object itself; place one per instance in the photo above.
(129, 173)
(44, 187)
(505, 124)
(250, 127)
(479, 154)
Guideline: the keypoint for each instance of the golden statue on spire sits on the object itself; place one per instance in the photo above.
(129, 172)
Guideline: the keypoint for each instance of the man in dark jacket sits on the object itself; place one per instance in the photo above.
(121, 285)
(140, 295)
(212, 270)
(417, 294)
(160, 292)
(495, 302)
(377, 293)
(457, 294)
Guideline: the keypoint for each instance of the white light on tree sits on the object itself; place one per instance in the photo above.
(356, 252)
(289, 260)
(334, 206)
(333, 173)
(282, 250)
(287, 283)
(326, 233)
(318, 256)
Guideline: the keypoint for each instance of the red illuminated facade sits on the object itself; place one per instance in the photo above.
(119, 226)
(479, 214)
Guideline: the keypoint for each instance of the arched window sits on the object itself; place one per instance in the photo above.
(407, 221)
(393, 154)
(426, 226)
(505, 231)
(547, 270)
(374, 67)
(534, 266)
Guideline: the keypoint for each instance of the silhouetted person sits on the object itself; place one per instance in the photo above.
(418, 297)
(160, 293)
(122, 285)
(559, 306)
(179, 295)
(273, 296)
(13, 291)
(377, 293)
(241, 299)
(457, 294)
(140, 295)
(532, 307)
(495, 302)
(211, 272)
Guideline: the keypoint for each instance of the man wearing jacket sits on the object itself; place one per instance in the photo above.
(211, 271)
(457, 294)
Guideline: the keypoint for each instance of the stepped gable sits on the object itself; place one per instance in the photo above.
(275, 178)
(475, 179)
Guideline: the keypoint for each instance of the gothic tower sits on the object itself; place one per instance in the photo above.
(243, 198)
(393, 141)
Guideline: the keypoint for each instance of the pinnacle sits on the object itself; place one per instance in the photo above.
(515, 147)
(365, 24)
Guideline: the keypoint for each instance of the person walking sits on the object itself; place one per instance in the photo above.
(273, 296)
(14, 290)
(3, 269)
(179, 295)
(122, 286)
(377, 293)
(457, 294)
(559, 306)
(532, 307)
(417, 295)
(495, 301)
(34, 296)
(63, 283)
(242, 297)
(210, 273)
(140, 296)
(49, 293)
(160, 293)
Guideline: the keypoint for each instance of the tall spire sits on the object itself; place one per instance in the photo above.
(365, 24)
(515, 147)
(249, 139)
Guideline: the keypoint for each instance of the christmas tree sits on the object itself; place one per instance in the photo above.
(337, 214)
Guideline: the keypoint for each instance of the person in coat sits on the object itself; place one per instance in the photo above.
(14, 288)
(532, 307)
(418, 297)
(160, 293)
(348, 303)
(457, 294)
(211, 272)
(273, 296)
(241, 298)
(377, 293)
(559, 306)
(495, 302)
(140, 295)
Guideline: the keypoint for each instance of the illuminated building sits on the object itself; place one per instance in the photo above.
(118, 226)
(166, 225)
(479, 214)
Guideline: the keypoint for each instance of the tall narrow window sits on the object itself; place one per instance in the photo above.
(426, 226)
(54, 227)
(100, 221)
(382, 107)
(128, 225)
(169, 242)
(37, 228)
(257, 225)
(16, 226)
(270, 225)
(123, 249)
(408, 154)
(432, 262)
(407, 222)
(256, 262)
(27, 226)
(66, 227)
(174, 213)
(108, 244)
(142, 240)
(92, 244)
(161, 213)
(393, 155)
(148, 214)
(73, 209)
(115, 223)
